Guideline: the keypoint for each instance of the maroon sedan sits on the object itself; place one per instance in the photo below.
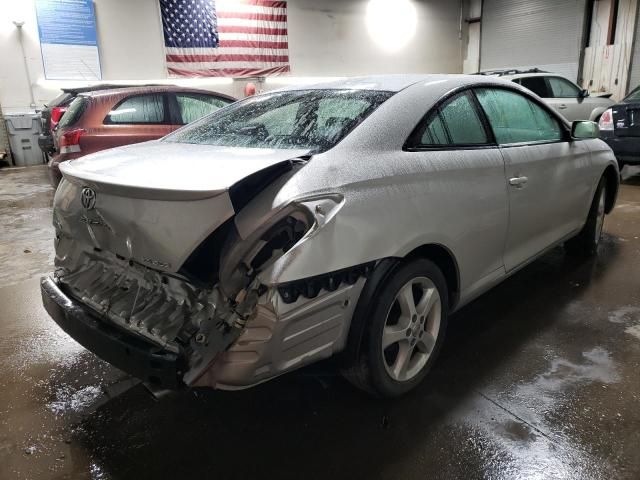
(104, 119)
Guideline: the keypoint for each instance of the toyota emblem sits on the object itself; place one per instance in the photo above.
(88, 198)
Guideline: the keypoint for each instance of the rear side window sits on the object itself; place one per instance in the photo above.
(194, 106)
(139, 109)
(537, 85)
(456, 122)
(516, 119)
(74, 112)
(561, 88)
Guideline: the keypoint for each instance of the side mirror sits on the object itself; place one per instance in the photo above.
(581, 129)
(583, 93)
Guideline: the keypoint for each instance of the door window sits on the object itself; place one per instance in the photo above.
(457, 122)
(537, 85)
(516, 119)
(138, 109)
(562, 88)
(193, 106)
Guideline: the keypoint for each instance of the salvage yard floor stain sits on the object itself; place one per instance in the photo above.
(537, 379)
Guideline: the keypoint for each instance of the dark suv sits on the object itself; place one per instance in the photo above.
(620, 128)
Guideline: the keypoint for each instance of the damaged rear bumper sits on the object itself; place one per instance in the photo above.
(279, 337)
(126, 352)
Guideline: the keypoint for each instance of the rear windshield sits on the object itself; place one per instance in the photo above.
(74, 112)
(313, 119)
(633, 96)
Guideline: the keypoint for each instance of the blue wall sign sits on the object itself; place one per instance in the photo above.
(68, 39)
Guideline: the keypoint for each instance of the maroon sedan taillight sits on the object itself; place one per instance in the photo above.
(69, 141)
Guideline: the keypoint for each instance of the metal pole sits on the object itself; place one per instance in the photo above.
(26, 63)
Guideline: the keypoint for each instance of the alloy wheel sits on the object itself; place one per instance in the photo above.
(411, 329)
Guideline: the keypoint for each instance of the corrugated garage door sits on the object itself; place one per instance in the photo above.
(634, 74)
(532, 33)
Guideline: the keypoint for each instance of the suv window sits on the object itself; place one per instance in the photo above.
(147, 108)
(74, 112)
(537, 85)
(456, 122)
(516, 119)
(562, 88)
(193, 106)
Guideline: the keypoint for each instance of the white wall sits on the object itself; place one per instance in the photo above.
(606, 67)
(634, 73)
(326, 38)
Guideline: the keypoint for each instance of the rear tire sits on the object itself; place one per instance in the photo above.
(586, 242)
(404, 331)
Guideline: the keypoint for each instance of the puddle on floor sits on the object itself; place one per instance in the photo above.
(629, 316)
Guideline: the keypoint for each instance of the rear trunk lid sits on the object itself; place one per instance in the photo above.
(626, 119)
(153, 203)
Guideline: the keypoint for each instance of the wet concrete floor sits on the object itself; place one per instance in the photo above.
(539, 378)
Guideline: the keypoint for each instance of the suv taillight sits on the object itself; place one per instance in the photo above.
(56, 115)
(606, 120)
(69, 141)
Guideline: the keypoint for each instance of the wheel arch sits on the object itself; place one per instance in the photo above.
(446, 262)
(440, 255)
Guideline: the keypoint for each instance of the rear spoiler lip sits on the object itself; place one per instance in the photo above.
(102, 183)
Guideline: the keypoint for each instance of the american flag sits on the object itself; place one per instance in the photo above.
(225, 38)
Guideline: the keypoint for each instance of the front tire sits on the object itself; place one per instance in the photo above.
(404, 330)
(587, 241)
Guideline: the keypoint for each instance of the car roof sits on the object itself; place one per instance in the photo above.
(392, 83)
(150, 89)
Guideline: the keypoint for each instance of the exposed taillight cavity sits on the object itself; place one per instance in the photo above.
(69, 141)
(56, 115)
(606, 120)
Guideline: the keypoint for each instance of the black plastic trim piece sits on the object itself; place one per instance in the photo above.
(311, 287)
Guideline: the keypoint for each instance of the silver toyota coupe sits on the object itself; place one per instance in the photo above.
(345, 218)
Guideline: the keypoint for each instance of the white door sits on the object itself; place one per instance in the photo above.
(544, 171)
(469, 179)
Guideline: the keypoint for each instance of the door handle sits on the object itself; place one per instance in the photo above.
(562, 106)
(518, 181)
